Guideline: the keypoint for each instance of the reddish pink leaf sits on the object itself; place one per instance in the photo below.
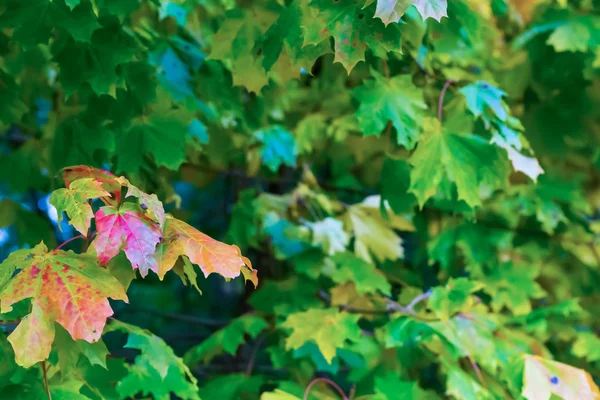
(127, 229)
(211, 255)
(65, 287)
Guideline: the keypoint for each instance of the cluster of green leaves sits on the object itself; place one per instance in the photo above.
(416, 182)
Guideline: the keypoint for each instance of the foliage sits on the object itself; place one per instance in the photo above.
(415, 181)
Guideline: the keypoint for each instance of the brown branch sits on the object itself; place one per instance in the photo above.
(257, 345)
(441, 100)
(324, 380)
(392, 307)
(43, 365)
(185, 318)
(70, 240)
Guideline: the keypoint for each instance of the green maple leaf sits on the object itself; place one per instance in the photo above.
(395, 183)
(461, 385)
(72, 3)
(513, 285)
(287, 390)
(12, 107)
(31, 20)
(234, 43)
(450, 299)
(279, 147)
(391, 387)
(78, 21)
(587, 346)
(572, 36)
(157, 370)
(328, 328)
(227, 339)
(286, 35)
(311, 133)
(70, 351)
(466, 160)
(393, 10)
(364, 275)
(231, 387)
(73, 201)
(353, 29)
(285, 297)
(396, 100)
(65, 287)
(79, 143)
(481, 95)
(472, 335)
(163, 135)
(95, 62)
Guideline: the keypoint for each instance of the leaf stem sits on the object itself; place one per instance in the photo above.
(386, 69)
(46, 380)
(441, 100)
(257, 345)
(324, 380)
(70, 240)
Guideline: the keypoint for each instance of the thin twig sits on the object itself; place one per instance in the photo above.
(257, 345)
(46, 380)
(410, 307)
(186, 318)
(477, 371)
(70, 240)
(392, 307)
(324, 380)
(441, 100)
(386, 69)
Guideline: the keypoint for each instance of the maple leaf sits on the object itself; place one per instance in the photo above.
(353, 30)
(163, 136)
(587, 346)
(127, 228)
(374, 235)
(279, 147)
(150, 203)
(447, 300)
(365, 276)
(65, 287)
(73, 201)
(227, 339)
(467, 160)
(327, 328)
(393, 10)
(389, 387)
(396, 100)
(157, 370)
(395, 182)
(572, 36)
(108, 180)
(544, 378)
(481, 95)
(181, 239)
(461, 385)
